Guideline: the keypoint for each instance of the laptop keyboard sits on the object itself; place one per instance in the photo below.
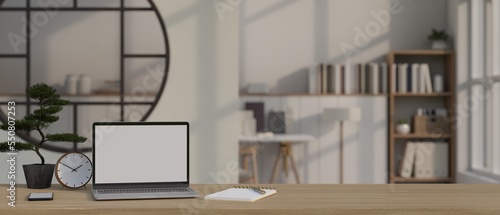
(143, 190)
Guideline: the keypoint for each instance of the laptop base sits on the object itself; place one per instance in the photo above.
(189, 193)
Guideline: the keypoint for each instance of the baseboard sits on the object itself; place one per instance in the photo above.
(468, 177)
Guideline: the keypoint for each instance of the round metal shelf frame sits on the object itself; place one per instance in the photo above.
(122, 103)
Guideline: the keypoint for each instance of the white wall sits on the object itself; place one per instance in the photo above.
(280, 38)
(201, 89)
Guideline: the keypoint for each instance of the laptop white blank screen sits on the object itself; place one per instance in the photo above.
(140, 153)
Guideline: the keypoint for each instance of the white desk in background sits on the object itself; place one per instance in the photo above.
(285, 152)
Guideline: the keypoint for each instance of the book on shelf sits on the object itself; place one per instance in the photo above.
(374, 78)
(319, 72)
(258, 113)
(431, 160)
(409, 79)
(362, 80)
(324, 80)
(355, 77)
(414, 77)
(368, 77)
(408, 161)
(425, 160)
(424, 68)
(394, 81)
(330, 78)
(342, 79)
(402, 78)
(348, 78)
(421, 80)
(337, 71)
(383, 77)
(313, 69)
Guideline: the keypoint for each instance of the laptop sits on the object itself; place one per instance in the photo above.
(141, 160)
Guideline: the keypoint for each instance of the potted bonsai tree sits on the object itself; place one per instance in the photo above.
(39, 176)
(438, 39)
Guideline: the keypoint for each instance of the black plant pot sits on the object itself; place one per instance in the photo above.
(38, 176)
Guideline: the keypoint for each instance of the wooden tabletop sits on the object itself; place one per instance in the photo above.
(290, 199)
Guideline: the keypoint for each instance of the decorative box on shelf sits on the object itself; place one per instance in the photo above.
(431, 124)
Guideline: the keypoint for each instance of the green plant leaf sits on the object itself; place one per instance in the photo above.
(40, 91)
(43, 120)
(404, 121)
(66, 137)
(437, 35)
(19, 146)
(22, 125)
(50, 110)
(56, 101)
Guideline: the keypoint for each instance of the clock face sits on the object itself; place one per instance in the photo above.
(74, 170)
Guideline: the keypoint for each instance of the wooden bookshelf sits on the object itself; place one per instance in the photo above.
(401, 104)
(422, 180)
(422, 94)
(422, 136)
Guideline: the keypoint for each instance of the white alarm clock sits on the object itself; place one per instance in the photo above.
(73, 170)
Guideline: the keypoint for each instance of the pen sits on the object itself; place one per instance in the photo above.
(258, 190)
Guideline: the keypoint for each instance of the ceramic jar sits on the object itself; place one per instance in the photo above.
(84, 85)
(403, 128)
(70, 84)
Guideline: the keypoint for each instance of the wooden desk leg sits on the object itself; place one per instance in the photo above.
(276, 166)
(294, 167)
(285, 152)
(254, 167)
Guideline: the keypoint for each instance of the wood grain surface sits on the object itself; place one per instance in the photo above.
(290, 199)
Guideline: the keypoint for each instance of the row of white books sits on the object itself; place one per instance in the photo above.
(425, 160)
(411, 78)
(370, 78)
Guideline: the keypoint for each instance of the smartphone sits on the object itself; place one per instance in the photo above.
(40, 196)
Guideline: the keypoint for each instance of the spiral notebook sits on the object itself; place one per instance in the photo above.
(242, 193)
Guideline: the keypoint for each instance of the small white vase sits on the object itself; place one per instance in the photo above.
(84, 85)
(403, 128)
(438, 84)
(439, 44)
(70, 84)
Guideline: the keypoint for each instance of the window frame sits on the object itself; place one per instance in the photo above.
(485, 76)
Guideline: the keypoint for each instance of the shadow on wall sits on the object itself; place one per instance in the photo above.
(247, 21)
(293, 83)
(208, 153)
